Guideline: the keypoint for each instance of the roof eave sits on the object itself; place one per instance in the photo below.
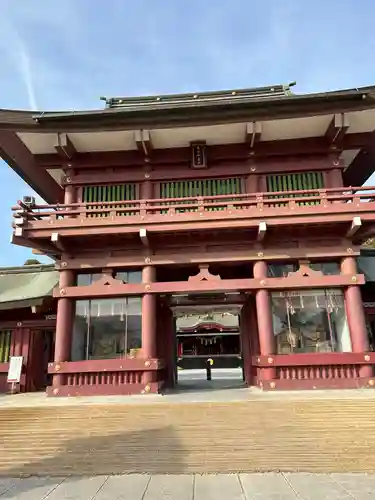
(227, 105)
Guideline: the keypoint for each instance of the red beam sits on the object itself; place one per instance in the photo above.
(314, 359)
(33, 323)
(199, 256)
(227, 285)
(23, 162)
(217, 170)
(106, 365)
(99, 226)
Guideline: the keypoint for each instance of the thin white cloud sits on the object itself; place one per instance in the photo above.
(14, 49)
(24, 68)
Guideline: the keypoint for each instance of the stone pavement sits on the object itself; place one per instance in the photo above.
(189, 487)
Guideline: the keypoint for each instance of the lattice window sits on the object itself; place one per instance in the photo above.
(5, 341)
(296, 182)
(116, 192)
(204, 187)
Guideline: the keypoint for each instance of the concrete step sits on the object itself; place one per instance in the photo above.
(319, 435)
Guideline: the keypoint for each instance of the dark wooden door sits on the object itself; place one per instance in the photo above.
(40, 354)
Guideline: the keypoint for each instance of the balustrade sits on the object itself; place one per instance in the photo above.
(164, 209)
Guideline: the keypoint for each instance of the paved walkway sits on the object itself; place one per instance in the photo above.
(209, 487)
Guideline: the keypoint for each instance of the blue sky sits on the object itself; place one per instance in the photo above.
(66, 54)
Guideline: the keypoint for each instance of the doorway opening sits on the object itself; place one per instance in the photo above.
(41, 352)
(208, 347)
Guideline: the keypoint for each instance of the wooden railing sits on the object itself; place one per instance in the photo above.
(106, 377)
(164, 209)
(315, 370)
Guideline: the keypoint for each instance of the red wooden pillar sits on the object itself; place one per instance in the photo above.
(356, 314)
(147, 188)
(64, 328)
(252, 183)
(266, 336)
(69, 194)
(149, 346)
(336, 178)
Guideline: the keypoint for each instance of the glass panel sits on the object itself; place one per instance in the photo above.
(86, 279)
(282, 270)
(310, 321)
(107, 328)
(329, 268)
(129, 276)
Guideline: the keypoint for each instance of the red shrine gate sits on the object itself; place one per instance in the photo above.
(244, 195)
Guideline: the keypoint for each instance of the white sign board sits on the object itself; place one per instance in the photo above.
(15, 369)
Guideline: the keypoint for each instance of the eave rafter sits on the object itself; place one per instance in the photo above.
(230, 152)
(65, 147)
(354, 227)
(253, 134)
(143, 141)
(337, 129)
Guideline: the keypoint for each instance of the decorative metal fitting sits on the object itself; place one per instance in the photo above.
(349, 250)
(263, 282)
(336, 162)
(148, 288)
(147, 388)
(63, 291)
(270, 361)
(366, 357)
(64, 264)
(147, 175)
(258, 360)
(147, 363)
(253, 169)
(148, 260)
(55, 391)
(272, 385)
(371, 383)
(68, 179)
(57, 368)
(354, 279)
(260, 254)
(19, 323)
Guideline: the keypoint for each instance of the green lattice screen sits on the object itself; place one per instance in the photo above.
(296, 182)
(204, 187)
(5, 340)
(117, 192)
